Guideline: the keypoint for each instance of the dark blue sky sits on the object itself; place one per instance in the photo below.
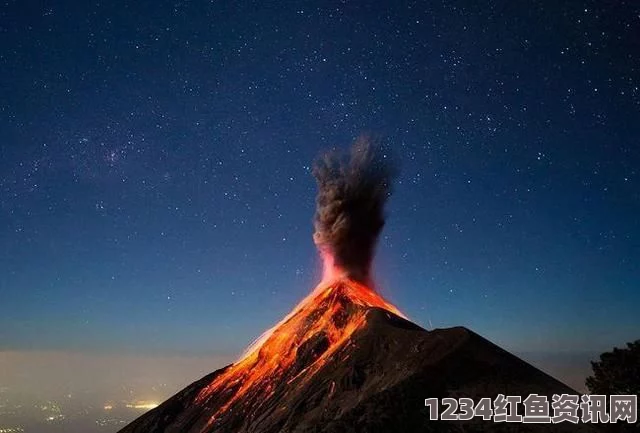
(155, 191)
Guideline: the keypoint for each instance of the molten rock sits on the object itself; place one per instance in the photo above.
(345, 360)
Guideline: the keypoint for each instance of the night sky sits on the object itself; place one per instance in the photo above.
(155, 186)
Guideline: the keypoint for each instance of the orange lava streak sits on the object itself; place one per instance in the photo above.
(266, 364)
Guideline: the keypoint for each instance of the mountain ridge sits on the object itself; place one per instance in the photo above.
(345, 360)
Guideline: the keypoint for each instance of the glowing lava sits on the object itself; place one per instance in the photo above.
(297, 347)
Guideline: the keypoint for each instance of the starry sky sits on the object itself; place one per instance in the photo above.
(155, 185)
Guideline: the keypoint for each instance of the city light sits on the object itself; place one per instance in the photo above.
(143, 405)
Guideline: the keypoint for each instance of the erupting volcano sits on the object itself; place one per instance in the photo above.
(345, 359)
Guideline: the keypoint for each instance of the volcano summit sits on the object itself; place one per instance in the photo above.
(345, 359)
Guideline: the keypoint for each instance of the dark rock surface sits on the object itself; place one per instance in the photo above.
(376, 381)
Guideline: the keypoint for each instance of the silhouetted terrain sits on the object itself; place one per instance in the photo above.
(306, 376)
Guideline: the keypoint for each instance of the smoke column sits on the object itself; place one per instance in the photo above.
(352, 191)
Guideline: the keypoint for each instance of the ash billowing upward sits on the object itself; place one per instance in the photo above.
(345, 359)
(352, 191)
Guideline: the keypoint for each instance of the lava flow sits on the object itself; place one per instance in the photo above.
(345, 359)
(352, 190)
(296, 348)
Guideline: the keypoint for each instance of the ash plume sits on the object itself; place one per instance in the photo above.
(352, 191)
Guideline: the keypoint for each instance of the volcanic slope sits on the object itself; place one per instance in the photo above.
(345, 360)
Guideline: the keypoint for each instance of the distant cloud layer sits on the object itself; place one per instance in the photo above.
(46, 374)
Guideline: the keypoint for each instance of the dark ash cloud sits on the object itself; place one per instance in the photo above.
(352, 191)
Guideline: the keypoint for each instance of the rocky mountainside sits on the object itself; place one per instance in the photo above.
(345, 360)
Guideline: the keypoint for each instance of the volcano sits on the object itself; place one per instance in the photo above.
(346, 360)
